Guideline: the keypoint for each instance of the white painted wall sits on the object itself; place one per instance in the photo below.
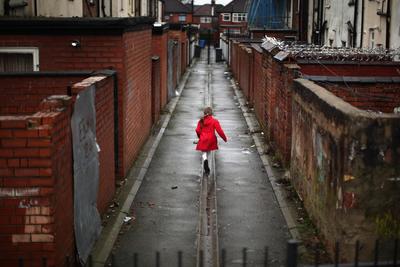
(395, 25)
(60, 8)
(338, 14)
(374, 25)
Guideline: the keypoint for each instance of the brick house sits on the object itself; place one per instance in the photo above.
(177, 12)
(233, 17)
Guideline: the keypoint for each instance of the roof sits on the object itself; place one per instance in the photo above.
(63, 26)
(205, 10)
(176, 6)
(237, 6)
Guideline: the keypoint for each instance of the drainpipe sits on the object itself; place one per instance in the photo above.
(320, 19)
(35, 7)
(362, 23)
(355, 24)
(388, 18)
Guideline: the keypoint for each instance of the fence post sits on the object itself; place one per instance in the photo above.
(396, 247)
(157, 259)
(357, 253)
(266, 257)
(179, 258)
(223, 256)
(244, 257)
(135, 260)
(291, 256)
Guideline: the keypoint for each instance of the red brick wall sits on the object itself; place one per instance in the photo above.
(160, 48)
(174, 18)
(383, 97)
(245, 71)
(129, 54)
(259, 87)
(234, 58)
(136, 97)
(36, 207)
(25, 93)
(104, 104)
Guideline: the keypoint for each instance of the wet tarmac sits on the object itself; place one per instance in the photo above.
(166, 207)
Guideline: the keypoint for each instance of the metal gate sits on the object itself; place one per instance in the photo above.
(87, 222)
(170, 81)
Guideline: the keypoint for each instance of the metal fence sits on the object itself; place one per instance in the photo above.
(292, 258)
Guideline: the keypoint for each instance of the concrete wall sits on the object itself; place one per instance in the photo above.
(345, 167)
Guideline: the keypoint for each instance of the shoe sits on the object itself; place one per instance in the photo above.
(206, 168)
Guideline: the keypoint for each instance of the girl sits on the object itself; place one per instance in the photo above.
(205, 130)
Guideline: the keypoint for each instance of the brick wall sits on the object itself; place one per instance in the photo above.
(344, 163)
(135, 113)
(245, 71)
(36, 207)
(25, 93)
(259, 88)
(383, 97)
(128, 53)
(160, 48)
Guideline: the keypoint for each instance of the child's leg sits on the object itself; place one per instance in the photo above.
(205, 156)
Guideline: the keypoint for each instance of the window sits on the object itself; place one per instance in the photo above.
(182, 18)
(226, 17)
(239, 17)
(19, 59)
(205, 20)
(371, 38)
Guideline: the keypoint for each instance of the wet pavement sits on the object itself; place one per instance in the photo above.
(166, 207)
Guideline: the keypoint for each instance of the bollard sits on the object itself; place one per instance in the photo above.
(291, 255)
(21, 262)
(44, 262)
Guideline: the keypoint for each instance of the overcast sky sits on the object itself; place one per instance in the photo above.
(201, 2)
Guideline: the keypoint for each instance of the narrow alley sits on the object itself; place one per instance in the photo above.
(166, 207)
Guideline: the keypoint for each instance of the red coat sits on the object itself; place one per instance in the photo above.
(206, 132)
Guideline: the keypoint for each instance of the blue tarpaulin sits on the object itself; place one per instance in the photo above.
(268, 14)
